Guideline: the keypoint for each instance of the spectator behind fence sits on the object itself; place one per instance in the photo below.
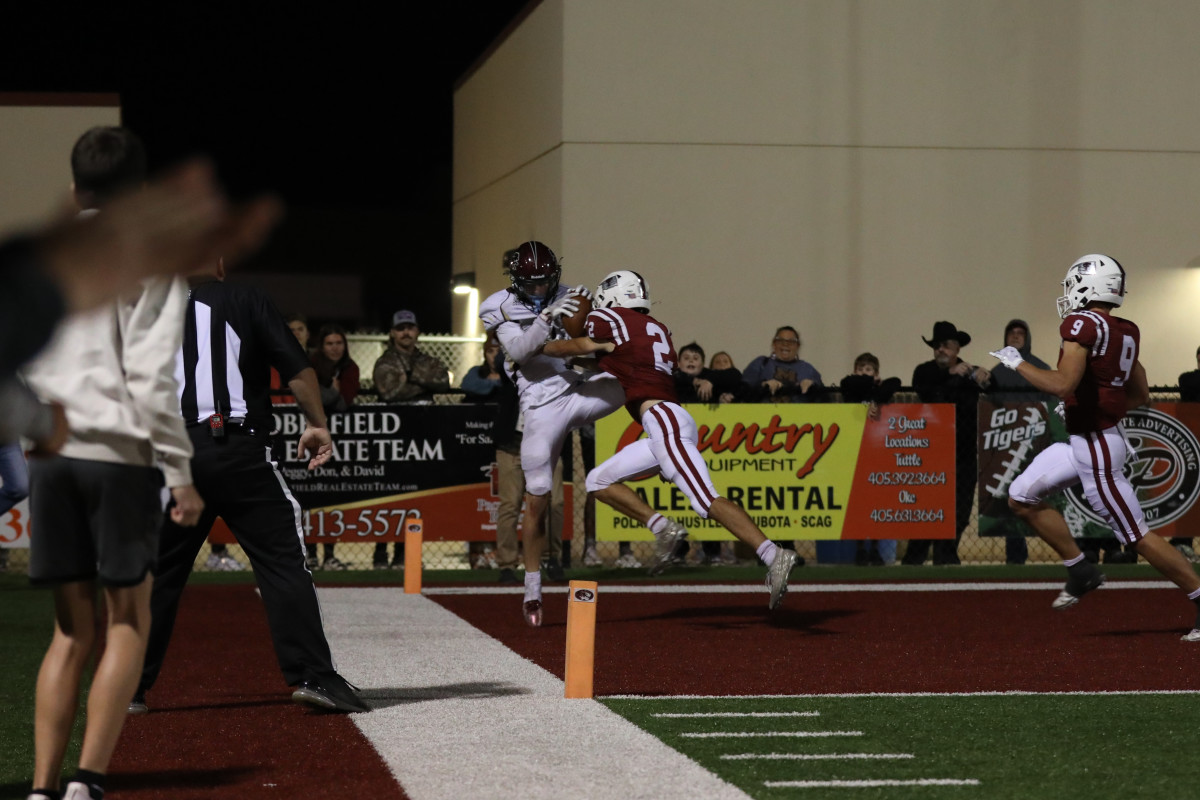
(783, 377)
(337, 375)
(695, 383)
(404, 374)
(865, 386)
(280, 393)
(949, 379)
(1189, 383)
(336, 371)
(1009, 387)
(510, 482)
(482, 382)
(1189, 392)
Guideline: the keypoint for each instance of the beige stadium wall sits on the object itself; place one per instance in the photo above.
(855, 169)
(37, 132)
(507, 153)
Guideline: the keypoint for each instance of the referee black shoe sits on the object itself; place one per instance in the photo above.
(331, 693)
(138, 704)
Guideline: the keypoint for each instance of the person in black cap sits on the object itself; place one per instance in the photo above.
(949, 379)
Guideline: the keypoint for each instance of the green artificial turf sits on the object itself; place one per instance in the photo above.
(1018, 747)
(26, 625)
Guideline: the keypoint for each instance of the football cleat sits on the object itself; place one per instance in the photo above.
(665, 544)
(777, 576)
(1076, 589)
(531, 610)
(1191, 636)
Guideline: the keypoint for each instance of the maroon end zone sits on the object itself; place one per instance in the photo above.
(852, 642)
(222, 723)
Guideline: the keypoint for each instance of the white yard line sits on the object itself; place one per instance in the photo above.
(739, 714)
(865, 784)
(457, 714)
(812, 756)
(768, 734)
(802, 588)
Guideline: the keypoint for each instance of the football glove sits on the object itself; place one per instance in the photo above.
(584, 291)
(1009, 356)
(564, 306)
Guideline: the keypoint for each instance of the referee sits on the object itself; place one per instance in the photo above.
(233, 335)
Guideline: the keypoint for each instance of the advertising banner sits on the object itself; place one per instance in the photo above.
(1163, 466)
(391, 464)
(14, 526)
(807, 471)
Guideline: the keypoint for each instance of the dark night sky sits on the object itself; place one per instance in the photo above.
(344, 113)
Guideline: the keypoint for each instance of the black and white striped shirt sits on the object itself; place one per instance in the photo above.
(255, 338)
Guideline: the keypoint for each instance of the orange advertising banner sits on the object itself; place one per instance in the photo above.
(808, 471)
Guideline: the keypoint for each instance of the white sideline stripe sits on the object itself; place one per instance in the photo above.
(818, 695)
(691, 715)
(768, 734)
(810, 756)
(870, 783)
(801, 588)
(457, 714)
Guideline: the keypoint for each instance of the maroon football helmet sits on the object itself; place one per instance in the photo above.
(534, 271)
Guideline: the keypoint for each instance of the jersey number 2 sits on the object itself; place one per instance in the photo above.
(662, 349)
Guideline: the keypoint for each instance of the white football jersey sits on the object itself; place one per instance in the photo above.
(521, 332)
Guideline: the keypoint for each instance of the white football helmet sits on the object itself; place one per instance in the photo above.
(623, 289)
(1093, 277)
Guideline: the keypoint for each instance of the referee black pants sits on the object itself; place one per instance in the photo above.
(241, 484)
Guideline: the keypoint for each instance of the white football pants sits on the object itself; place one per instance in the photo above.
(670, 451)
(1096, 461)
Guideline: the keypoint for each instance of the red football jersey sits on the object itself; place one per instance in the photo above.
(644, 358)
(1112, 343)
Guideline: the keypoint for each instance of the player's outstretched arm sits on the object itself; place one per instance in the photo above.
(1060, 382)
(583, 346)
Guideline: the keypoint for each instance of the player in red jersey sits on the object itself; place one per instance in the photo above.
(1099, 378)
(636, 348)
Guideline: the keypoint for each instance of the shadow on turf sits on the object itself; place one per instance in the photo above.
(740, 616)
(400, 696)
(167, 779)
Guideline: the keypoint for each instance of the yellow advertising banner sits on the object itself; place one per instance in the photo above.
(805, 471)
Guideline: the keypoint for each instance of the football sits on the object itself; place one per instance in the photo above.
(574, 324)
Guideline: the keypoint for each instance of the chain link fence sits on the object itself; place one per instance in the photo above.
(460, 354)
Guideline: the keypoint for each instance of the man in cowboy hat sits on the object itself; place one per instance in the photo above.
(949, 379)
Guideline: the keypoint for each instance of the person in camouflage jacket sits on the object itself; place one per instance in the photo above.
(403, 374)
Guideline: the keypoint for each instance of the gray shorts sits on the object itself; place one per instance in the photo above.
(92, 520)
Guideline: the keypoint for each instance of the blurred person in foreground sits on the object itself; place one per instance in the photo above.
(175, 225)
(97, 502)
